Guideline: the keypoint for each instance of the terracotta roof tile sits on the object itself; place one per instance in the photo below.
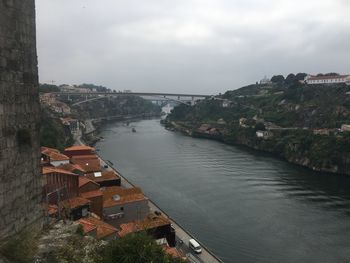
(47, 149)
(79, 148)
(75, 202)
(83, 181)
(150, 222)
(90, 163)
(104, 176)
(126, 195)
(72, 167)
(87, 226)
(103, 229)
(91, 194)
(53, 154)
(49, 170)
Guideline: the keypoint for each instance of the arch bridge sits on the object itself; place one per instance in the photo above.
(162, 98)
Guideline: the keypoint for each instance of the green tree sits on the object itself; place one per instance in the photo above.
(300, 76)
(290, 79)
(136, 248)
(47, 88)
(277, 79)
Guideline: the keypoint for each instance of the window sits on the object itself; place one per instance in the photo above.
(84, 212)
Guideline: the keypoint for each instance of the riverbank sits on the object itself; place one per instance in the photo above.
(92, 135)
(288, 145)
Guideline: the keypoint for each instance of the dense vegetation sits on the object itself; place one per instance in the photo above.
(73, 247)
(46, 88)
(113, 106)
(295, 110)
(52, 132)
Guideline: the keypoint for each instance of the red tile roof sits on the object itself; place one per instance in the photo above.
(72, 167)
(91, 194)
(51, 209)
(90, 163)
(83, 181)
(126, 195)
(75, 202)
(54, 154)
(79, 148)
(150, 222)
(105, 176)
(50, 170)
(103, 229)
(87, 226)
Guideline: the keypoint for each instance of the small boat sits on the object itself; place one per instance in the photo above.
(133, 130)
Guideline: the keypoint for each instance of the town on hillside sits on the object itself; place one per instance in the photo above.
(79, 186)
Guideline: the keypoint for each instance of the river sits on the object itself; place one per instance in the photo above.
(243, 205)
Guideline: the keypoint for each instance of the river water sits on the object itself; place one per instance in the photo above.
(244, 205)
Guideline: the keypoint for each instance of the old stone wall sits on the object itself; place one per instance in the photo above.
(20, 181)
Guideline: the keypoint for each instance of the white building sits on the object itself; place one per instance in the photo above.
(327, 79)
(265, 81)
(345, 127)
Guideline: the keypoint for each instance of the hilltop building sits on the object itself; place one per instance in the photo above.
(309, 79)
(265, 81)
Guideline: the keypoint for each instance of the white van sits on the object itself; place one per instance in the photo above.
(193, 244)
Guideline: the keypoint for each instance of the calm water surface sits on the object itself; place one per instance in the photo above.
(245, 206)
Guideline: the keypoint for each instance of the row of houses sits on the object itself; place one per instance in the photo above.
(79, 188)
(49, 100)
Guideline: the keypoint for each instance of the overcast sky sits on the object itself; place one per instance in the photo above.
(202, 46)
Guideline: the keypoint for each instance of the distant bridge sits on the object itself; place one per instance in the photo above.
(154, 96)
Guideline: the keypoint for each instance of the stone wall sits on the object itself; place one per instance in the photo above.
(20, 181)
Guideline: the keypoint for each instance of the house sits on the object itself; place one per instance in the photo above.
(264, 134)
(204, 128)
(265, 81)
(53, 157)
(155, 225)
(105, 178)
(327, 79)
(90, 163)
(59, 184)
(75, 208)
(73, 168)
(71, 124)
(98, 228)
(90, 190)
(79, 150)
(321, 131)
(87, 185)
(226, 103)
(96, 199)
(345, 127)
(122, 205)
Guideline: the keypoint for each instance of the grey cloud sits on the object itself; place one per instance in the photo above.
(203, 46)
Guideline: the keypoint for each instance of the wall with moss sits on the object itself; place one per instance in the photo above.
(20, 181)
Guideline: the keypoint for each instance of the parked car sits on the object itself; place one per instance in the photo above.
(193, 244)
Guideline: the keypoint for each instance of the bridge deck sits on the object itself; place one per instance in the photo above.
(133, 93)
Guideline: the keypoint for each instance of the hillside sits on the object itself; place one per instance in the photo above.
(298, 122)
(113, 106)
